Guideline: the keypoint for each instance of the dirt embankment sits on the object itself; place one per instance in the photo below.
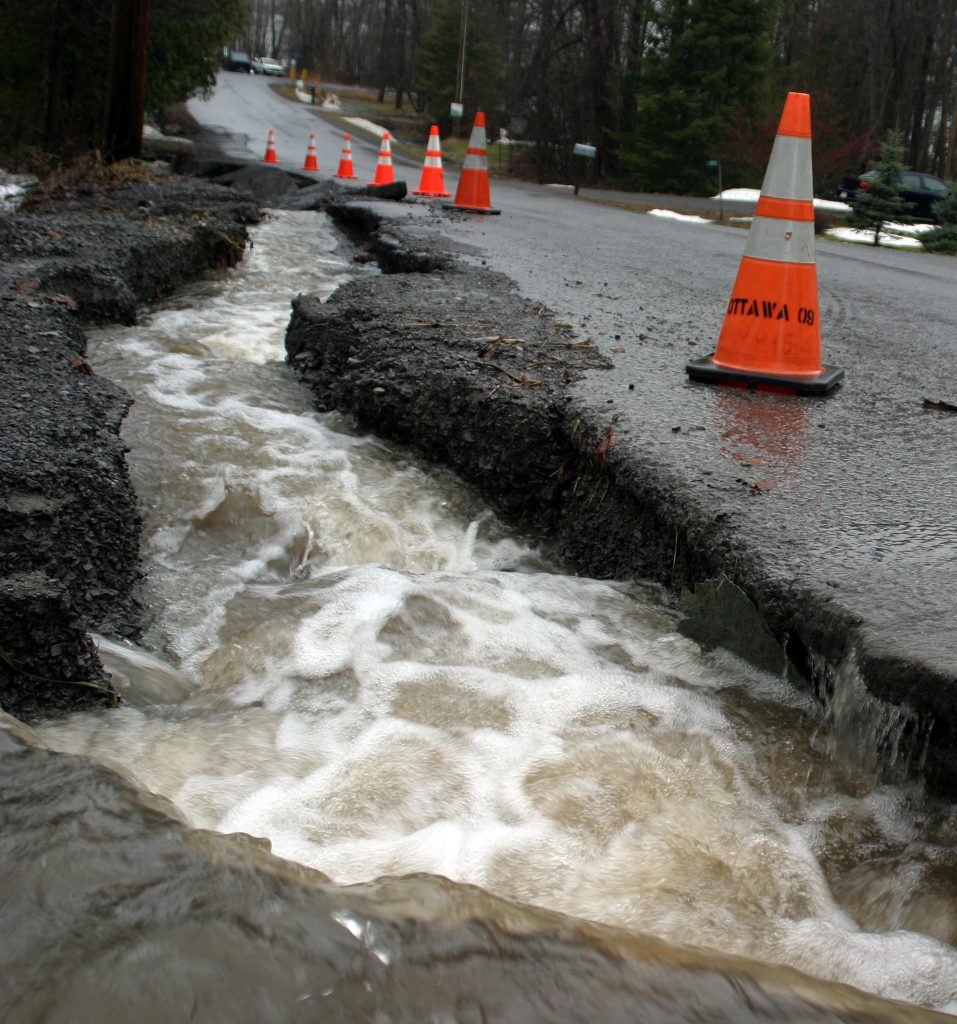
(69, 527)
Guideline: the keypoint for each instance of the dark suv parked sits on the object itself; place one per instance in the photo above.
(923, 190)
(236, 60)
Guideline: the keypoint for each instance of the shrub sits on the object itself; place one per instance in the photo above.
(944, 238)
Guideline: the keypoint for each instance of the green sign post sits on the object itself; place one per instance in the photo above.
(717, 163)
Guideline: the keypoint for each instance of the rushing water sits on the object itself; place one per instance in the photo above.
(353, 659)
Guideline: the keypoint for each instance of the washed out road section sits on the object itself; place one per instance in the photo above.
(834, 515)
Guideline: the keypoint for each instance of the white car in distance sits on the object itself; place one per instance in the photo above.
(268, 66)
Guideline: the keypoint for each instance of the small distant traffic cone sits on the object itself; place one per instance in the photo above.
(270, 157)
(346, 170)
(432, 182)
(473, 191)
(311, 163)
(384, 174)
(771, 338)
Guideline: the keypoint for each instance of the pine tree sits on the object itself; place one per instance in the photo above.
(53, 77)
(883, 202)
(706, 59)
(180, 63)
(484, 66)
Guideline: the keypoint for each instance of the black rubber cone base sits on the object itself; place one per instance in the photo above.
(707, 371)
(468, 209)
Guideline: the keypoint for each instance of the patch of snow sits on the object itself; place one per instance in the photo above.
(687, 217)
(11, 192)
(752, 195)
(908, 229)
(369, 126)
(893, 241)
(154, 138)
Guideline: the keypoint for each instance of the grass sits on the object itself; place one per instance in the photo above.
(456, 148)
(285, 89)
(633, 207)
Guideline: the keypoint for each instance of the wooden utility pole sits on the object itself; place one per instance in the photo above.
(460, 69)
(126, 85)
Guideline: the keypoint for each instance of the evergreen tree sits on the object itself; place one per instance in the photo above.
(184, 62)
(883, 202)
(705, 59)
(484, 64)
(944, 237)
(53, 77)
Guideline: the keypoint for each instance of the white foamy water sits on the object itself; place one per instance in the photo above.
(374, 675)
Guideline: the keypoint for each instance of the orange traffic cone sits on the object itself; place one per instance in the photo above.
(311, 163)
(383, 169)
(472, 192)
(346, 170)
(771, 338)
(270, 157)
(432, 182)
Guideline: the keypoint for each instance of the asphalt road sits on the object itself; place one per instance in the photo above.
(849, 499)
(245, 108)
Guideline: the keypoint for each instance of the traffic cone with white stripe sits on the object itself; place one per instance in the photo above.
(311, 163)
(771, 338)
(384, 174)
(346, 170)
(473, 190)
(270, 157)
(432, 182)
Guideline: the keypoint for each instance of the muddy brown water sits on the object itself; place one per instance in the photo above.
(352, 660)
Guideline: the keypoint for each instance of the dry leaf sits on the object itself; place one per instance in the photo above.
(939, 406)
(79, 363)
